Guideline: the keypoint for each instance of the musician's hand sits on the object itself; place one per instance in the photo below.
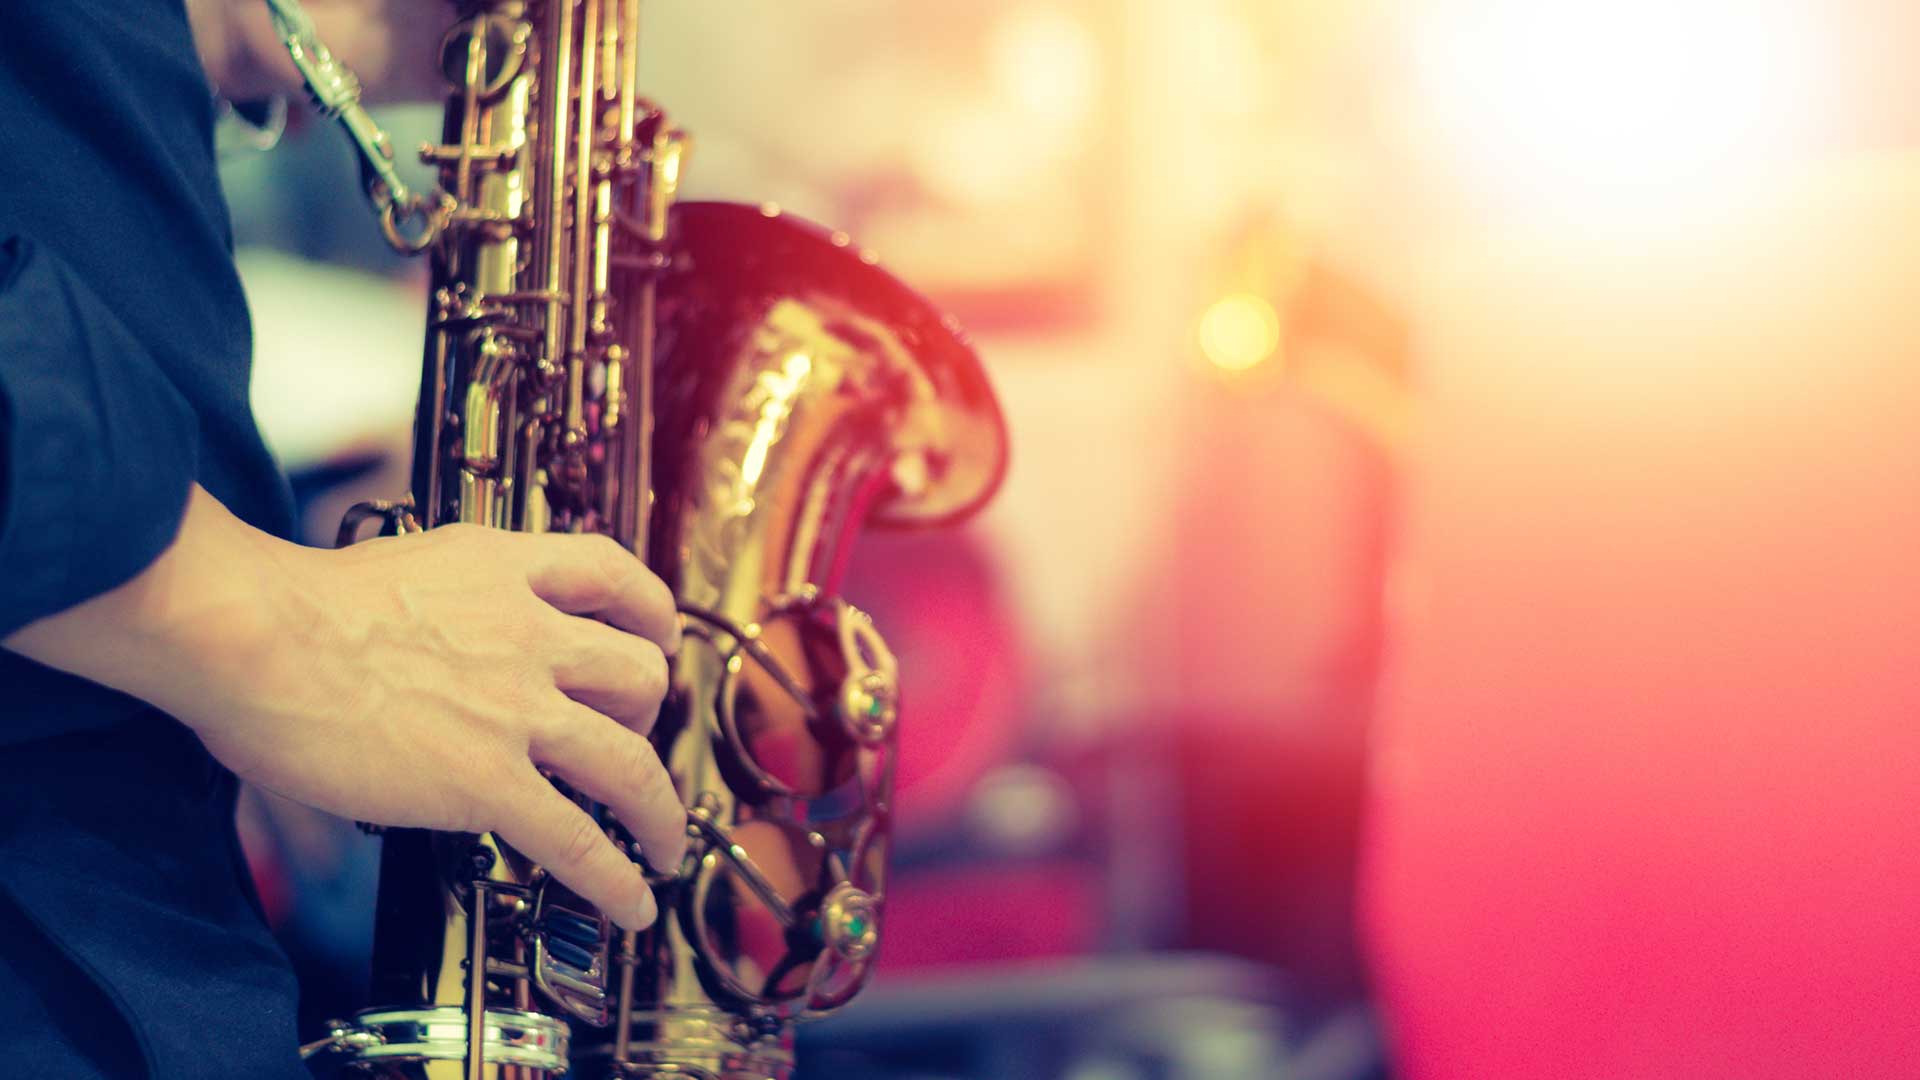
(417, 681)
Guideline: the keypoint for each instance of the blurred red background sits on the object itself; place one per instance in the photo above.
(1458, 555)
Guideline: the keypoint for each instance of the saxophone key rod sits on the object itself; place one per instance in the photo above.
(477, 983)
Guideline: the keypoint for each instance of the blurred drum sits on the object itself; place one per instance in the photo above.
(952, 629)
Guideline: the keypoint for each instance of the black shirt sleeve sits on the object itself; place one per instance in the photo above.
(124, 339)
(97, 446)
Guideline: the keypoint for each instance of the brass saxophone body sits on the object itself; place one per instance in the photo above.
(731, 393)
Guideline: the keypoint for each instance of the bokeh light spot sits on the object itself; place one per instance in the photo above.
(1238, 331)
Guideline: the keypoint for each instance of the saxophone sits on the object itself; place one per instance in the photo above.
(730, 392)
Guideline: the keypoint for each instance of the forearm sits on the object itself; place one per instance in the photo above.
(205, 602)
(419, 681)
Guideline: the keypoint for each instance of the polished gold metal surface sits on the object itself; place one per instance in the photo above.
(731, 393)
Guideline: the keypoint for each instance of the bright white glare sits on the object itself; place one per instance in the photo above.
(1640, 98)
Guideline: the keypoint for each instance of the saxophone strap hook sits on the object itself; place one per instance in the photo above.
(409, 220)
(411, 224)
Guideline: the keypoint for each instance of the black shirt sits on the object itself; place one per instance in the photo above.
(124, 363)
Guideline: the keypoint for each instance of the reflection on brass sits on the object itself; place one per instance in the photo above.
(731, 393)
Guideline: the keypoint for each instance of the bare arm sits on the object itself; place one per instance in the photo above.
(416, 681)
